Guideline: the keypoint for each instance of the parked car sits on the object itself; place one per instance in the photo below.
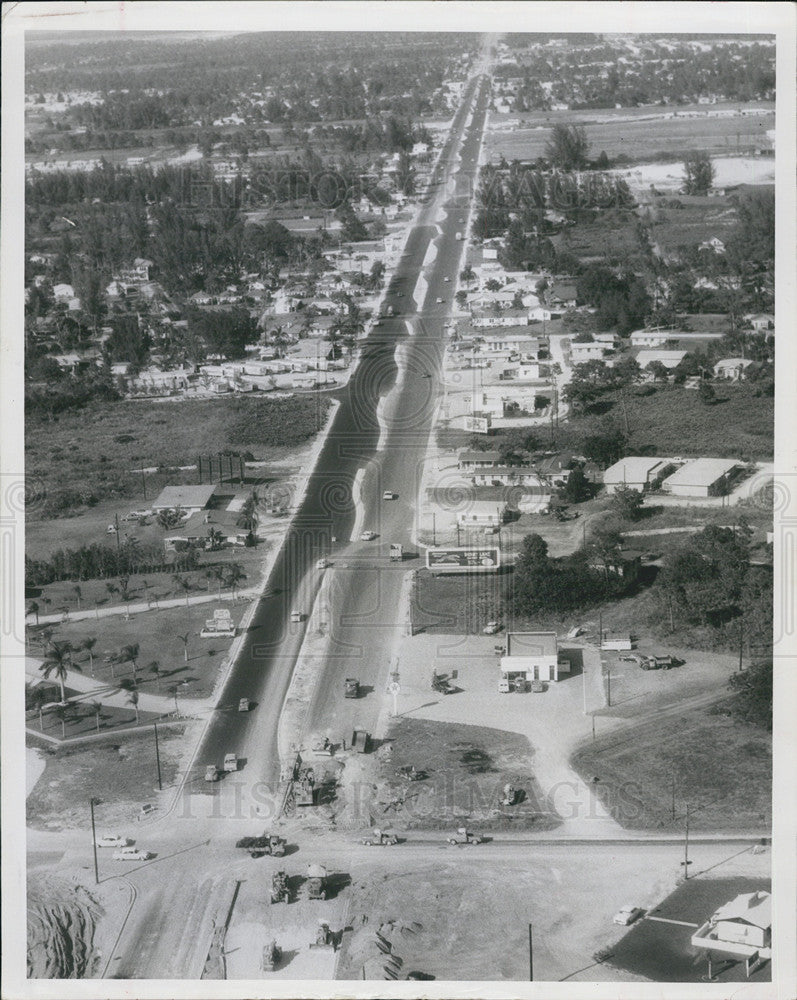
(132, 854)
(446, 278)
(113, 840)
(367, 536)
(111, 529)
(439, 301)
(389, 495)
(211, 772)
(230, 762)
(297, 616)
(492, 627)
(627, 915)
(322, 563)
(243, 705)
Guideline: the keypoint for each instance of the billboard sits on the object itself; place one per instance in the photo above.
(463, 560)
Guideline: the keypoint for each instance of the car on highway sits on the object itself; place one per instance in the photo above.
(446, 278)
(626, 915)
(367, 536)
(492, 627)
(113, 840)
(110, 530)
(243, 705)
(297, 616)
(230, 762)
(389, 495)
(132, 854)
(322, 563)
(211, 772)
(439, 301)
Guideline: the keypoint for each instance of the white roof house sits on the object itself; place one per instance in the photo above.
(741, 927)
(670, 359)
(731, 368)
(189, 498)
(637, 472)
(481, 514)
(702, 477)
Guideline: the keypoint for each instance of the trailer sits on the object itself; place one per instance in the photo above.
(360, 741)
(266, 844)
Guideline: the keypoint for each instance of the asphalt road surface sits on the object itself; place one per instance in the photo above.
(365, 594)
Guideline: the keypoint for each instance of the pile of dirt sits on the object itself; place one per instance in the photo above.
(62, 920)
(372, 948)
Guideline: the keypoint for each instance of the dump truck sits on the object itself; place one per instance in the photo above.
(464, 836)
(380, 838)
(316, 882)
(441, 684)
(352, 688)
(272, 953)
(211, 772)
(267, 843)
(360, 741)
(396, 552)
(280, 893)
(304, 787)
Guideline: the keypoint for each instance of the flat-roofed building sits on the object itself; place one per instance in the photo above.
(636, 472)
(702, 477)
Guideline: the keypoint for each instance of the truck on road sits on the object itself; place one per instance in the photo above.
(266, 844)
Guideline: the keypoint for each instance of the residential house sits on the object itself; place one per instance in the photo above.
(715, 244)
(190, 499)
(593, 350)
(516, 343)
(531, 656)
(740, 928)
(702, 477)
(562, 295)
(636, 472)
(556, 469)
(482, 318)
(670, 359)
(506, 475)
(482, 514)
(470, 460)
(731, 369)
(761, 322)
(196, 530)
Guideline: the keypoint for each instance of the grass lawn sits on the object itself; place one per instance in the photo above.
(638, 769)
(673, 421)
(158, 636)
(122, 775)
(88, 455)
(81, 719)
(610, 239)
(467, 768)
(627, 133)
(693, 223)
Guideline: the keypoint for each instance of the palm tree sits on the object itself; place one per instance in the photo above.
(215, 573)
(111, 588)
(78, 594)
(234, 575)
(88, 645)
(132, 699)
(155, 668)
(96, 707)
(146, 585)
(184, 582)
(58, 662)
(174, 691)
(37, 699)
(185, 637)
(33, 609)
(63, 712)
(129, 654)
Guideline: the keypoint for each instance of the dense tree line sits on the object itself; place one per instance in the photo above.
(95, 561)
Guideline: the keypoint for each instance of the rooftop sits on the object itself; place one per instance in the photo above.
(751, 907)
(531, 644)
(634, 468)
(185, 496)
(701, 472)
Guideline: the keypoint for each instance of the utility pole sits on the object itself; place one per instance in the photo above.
(593, 725)
(434, 529)
(158, 757)
(118, 542)
(609, 687)
(92, 800)
(673, 797)
(686, 844)
(144, 483)
(531, 955)
(741, 640)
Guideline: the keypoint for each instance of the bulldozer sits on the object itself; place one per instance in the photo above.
(380, 838)
(272, 953)
(266, 844)
(321, 746)
(510, 795)
(464, 836)
(304, 787)
(280, 892)
(316, 882)
(352, 688)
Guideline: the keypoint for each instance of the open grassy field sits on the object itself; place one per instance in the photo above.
(644, 134)
(611, 239)
(89, 454)
(639, 768)
(81, 719)
(122, 775)
(697, 220)
(673, 421)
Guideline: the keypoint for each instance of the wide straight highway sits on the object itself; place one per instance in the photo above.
(377, 442)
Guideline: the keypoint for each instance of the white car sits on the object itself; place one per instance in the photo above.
(111, 529)
(113, 840)
(367, 536)
(322, 563)
(439, 301)
(446, 278)
(627, 915)
(492, 627)
(230, 762)
(132, 854)
(389, 495)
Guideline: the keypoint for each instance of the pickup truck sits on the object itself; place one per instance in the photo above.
(230, 762)
(352, 688)
(266, 844)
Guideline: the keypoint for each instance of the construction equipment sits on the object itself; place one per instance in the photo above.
(510, 795)
(321, 746)
(304, 787)
(324, 937)
(211, 772)
(441, 684)
(316, 882)
(411, 773)
(380, 838)
(266, 844)
(352, 688)
(360, 741)
(230, 762)
(272, 953)
(396, 552)
(464, 836)
(280, 893)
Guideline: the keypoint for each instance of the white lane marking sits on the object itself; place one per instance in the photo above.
(356, 495)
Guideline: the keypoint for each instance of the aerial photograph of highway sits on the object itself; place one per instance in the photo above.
(401, 508)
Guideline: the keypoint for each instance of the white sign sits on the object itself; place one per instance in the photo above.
(394, 688)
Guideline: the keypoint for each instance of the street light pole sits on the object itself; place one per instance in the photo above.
(686, 844)
(531, 955)
(94, 842)
(158, 757)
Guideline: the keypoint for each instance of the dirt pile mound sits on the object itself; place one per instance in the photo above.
(62, 919)
(373, 948)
